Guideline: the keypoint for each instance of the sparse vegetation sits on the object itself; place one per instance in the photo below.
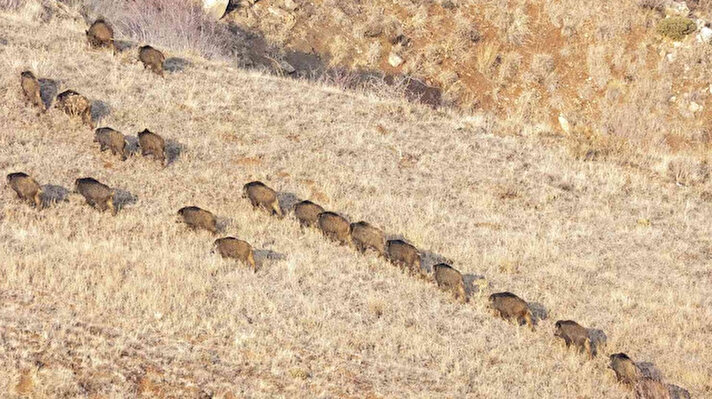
(137, 305)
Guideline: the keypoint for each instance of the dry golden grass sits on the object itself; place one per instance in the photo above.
(136, 304)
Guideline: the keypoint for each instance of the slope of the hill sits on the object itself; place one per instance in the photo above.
(101, 306)
(604, 65)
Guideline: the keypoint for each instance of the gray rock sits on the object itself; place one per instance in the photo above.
(395, 60)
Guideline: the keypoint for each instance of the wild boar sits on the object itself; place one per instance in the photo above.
(307, 213)
(231, 247)
(403, 254)
(152, 59)
(262, 196)
(510, 306)
(197, 218)
(152, 144)
(110, 139)
(98, 195)
(624, 367)
(451, 280)
(31, 89)
(75, 104)
(573, 333)
(100, 34)
(364, 236)
(334, 227)
(26, 187)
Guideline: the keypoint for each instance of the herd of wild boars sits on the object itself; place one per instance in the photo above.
(361, 235)
(365, 237)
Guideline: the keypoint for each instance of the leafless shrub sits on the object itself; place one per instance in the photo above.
(11, 4)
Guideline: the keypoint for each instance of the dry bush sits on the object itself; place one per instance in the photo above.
(676, 28)
(175, 25)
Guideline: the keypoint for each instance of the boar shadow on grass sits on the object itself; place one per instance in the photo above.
(173, 151)
(648, 370)
(287, 201)
(123, 198)
(132, 147)
(52, 194)
(677, 392)
(470, 287)
(262, 255)
(49, 88)
(175, 64)
(123, 45)
(99, 110)
(598, 339)
(223, 223)
(539, 312)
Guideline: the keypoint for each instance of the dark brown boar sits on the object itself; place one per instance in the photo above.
(152, 144)
(75, 104)
(624, 367)
(307, 213)
(364, 236)
(31, 89)
(152, 59)
(405, 255)
(334, 226)
(451, 280)
(231, 247)
(110, 139)
(98, 195)
(573, 333)
(26, 187)
(197, 218)
(261, 196)
(511, 307)
(100, 34)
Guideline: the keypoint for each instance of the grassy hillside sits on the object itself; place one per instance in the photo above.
(100, 306)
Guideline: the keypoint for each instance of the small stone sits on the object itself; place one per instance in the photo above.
(215, 9)
(564, 123)
(286, 67)
(694, 107)
(395, 60)
(290, 5)
(705, 35)
(671, 57)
